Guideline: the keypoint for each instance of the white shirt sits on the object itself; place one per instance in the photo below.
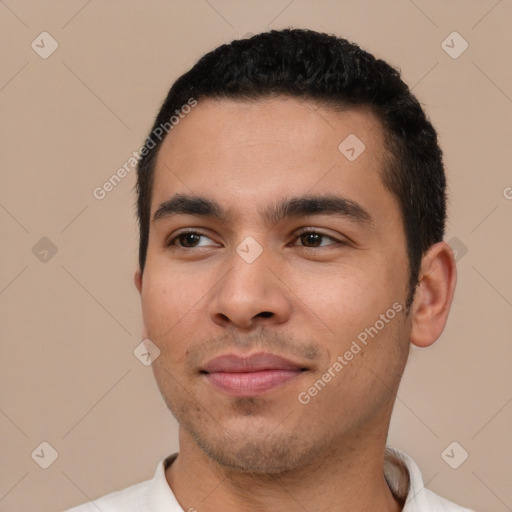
(401, 472)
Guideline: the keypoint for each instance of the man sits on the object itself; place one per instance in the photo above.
(291, 203)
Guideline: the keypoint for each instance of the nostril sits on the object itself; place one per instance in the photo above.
(265, 314)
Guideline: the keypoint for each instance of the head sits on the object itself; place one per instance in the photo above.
(252, 145)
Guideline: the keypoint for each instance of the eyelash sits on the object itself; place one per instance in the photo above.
(171, 242)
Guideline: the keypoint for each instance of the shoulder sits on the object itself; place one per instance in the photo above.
(438, 504)
(148, 496)
(126, 500)
(405, 479)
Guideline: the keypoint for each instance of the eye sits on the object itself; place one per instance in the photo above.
(188, 240)
(312, 239)
(309, 238)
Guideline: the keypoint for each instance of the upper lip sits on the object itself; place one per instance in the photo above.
(233, 363)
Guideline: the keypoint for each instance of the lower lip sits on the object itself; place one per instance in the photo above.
(250, 384)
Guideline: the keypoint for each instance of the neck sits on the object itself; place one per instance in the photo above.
(349, 477)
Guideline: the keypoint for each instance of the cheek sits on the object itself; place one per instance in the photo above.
(343, 297)
(346, 304)
(170, 304)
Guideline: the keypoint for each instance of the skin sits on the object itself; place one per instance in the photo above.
(303, 298)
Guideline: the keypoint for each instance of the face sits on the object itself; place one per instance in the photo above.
(277, 298)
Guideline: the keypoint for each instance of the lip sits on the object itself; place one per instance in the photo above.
(250, 375)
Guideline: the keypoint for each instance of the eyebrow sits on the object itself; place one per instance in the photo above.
(304, 206)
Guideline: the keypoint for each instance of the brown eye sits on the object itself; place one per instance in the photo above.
(311, 239)
(314, 239)
(188, 240)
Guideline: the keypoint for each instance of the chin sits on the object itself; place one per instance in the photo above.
(264, 452)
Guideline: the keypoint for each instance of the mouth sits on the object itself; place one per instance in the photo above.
(250, 376)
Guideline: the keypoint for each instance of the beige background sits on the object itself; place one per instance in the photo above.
(70, 324)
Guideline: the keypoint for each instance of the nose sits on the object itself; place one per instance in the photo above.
(250, 295)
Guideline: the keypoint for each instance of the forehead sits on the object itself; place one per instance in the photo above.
(248, 151)
(283, 120)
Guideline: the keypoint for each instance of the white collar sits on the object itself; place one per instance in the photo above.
(401, 472)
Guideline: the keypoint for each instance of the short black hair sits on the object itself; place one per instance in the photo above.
(323, 68)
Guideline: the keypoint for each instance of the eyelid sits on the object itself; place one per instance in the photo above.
(312, 230)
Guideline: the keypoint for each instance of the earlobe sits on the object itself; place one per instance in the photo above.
(434, 295)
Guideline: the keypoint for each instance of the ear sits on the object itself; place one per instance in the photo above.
(434, 294)
(137, 278)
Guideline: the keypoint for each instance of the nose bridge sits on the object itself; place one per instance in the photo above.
(250, 268)
(249, 290)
